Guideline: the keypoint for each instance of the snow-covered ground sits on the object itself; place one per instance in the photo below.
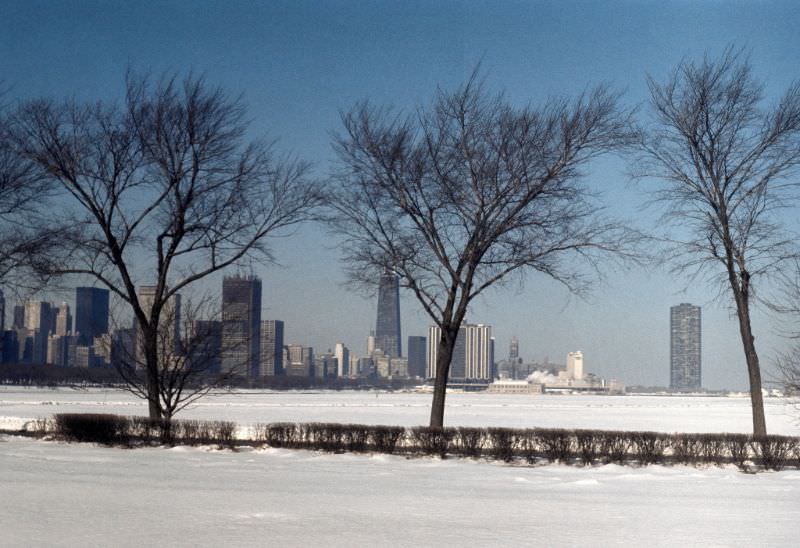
(659, 413)
(56, 494)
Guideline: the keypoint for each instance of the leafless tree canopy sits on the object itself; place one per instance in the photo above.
(189, 348)
(166, 189)
(726, 163)
(464, 193)
(25, 237)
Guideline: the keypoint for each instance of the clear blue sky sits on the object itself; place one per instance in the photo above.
(297, 64)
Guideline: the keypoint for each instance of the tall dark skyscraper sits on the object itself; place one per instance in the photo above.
(387, 326)
(91, 313)
(2, 313)
(685, 347)
(241, 325)
(416, 350)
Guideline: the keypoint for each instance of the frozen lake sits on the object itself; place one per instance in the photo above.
(659, 413)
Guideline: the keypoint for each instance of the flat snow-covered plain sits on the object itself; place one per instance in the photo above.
(56, 494)
(658, 413)
(59, 494)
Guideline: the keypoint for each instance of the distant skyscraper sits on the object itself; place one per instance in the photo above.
(205, 345)
(271, 348)
(473, 354)
(169, 322)
(91, 313)
(685, 347)
(2, 313)
(63, 320)
(342, 354)
(513, 349)
(387, 326)
(241, 324)
(416, 351)
(19, 317)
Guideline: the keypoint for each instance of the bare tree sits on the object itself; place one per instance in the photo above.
(190, 348)
(164, 190)
(25, 237)
(469, 191)
(725, 163)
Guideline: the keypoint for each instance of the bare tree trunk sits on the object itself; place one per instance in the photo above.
(753, 366)
(444, 356)
(150, 350)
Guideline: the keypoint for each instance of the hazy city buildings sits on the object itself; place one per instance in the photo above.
(473, 354)
(169, 340)
(685, 347)
(241, 325)
(271, 357)
(299, 361)
(387, 326)
(91, 313)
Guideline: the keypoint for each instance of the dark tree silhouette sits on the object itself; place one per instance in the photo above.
(164, 190)
(725, 162)
(468, 191)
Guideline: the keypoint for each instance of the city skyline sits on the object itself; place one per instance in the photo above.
(295, 75)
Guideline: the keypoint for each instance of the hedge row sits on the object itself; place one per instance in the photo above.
(585, 447)
(121, 430)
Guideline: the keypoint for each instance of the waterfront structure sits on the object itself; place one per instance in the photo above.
(387, 325)
(417, 350)
(473, 354)
(241, 325)
(271, 357)
(685, 347)
(575, 365)
(91, 313)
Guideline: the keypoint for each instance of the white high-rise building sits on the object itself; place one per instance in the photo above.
(575, 365)
(342, 354)
(473, 354)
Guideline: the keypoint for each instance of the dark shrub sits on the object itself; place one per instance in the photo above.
(145, 429)
(384, 439)
(554, 443)
(93, 427)
(648, 447)
(686, 448)
(431, 441)
(614, 445)
(587, 446)
(737, 448)
(281, 434)
(712, 448)
(502, 443)
(355, 437)
(469, 442)
(774, 452)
